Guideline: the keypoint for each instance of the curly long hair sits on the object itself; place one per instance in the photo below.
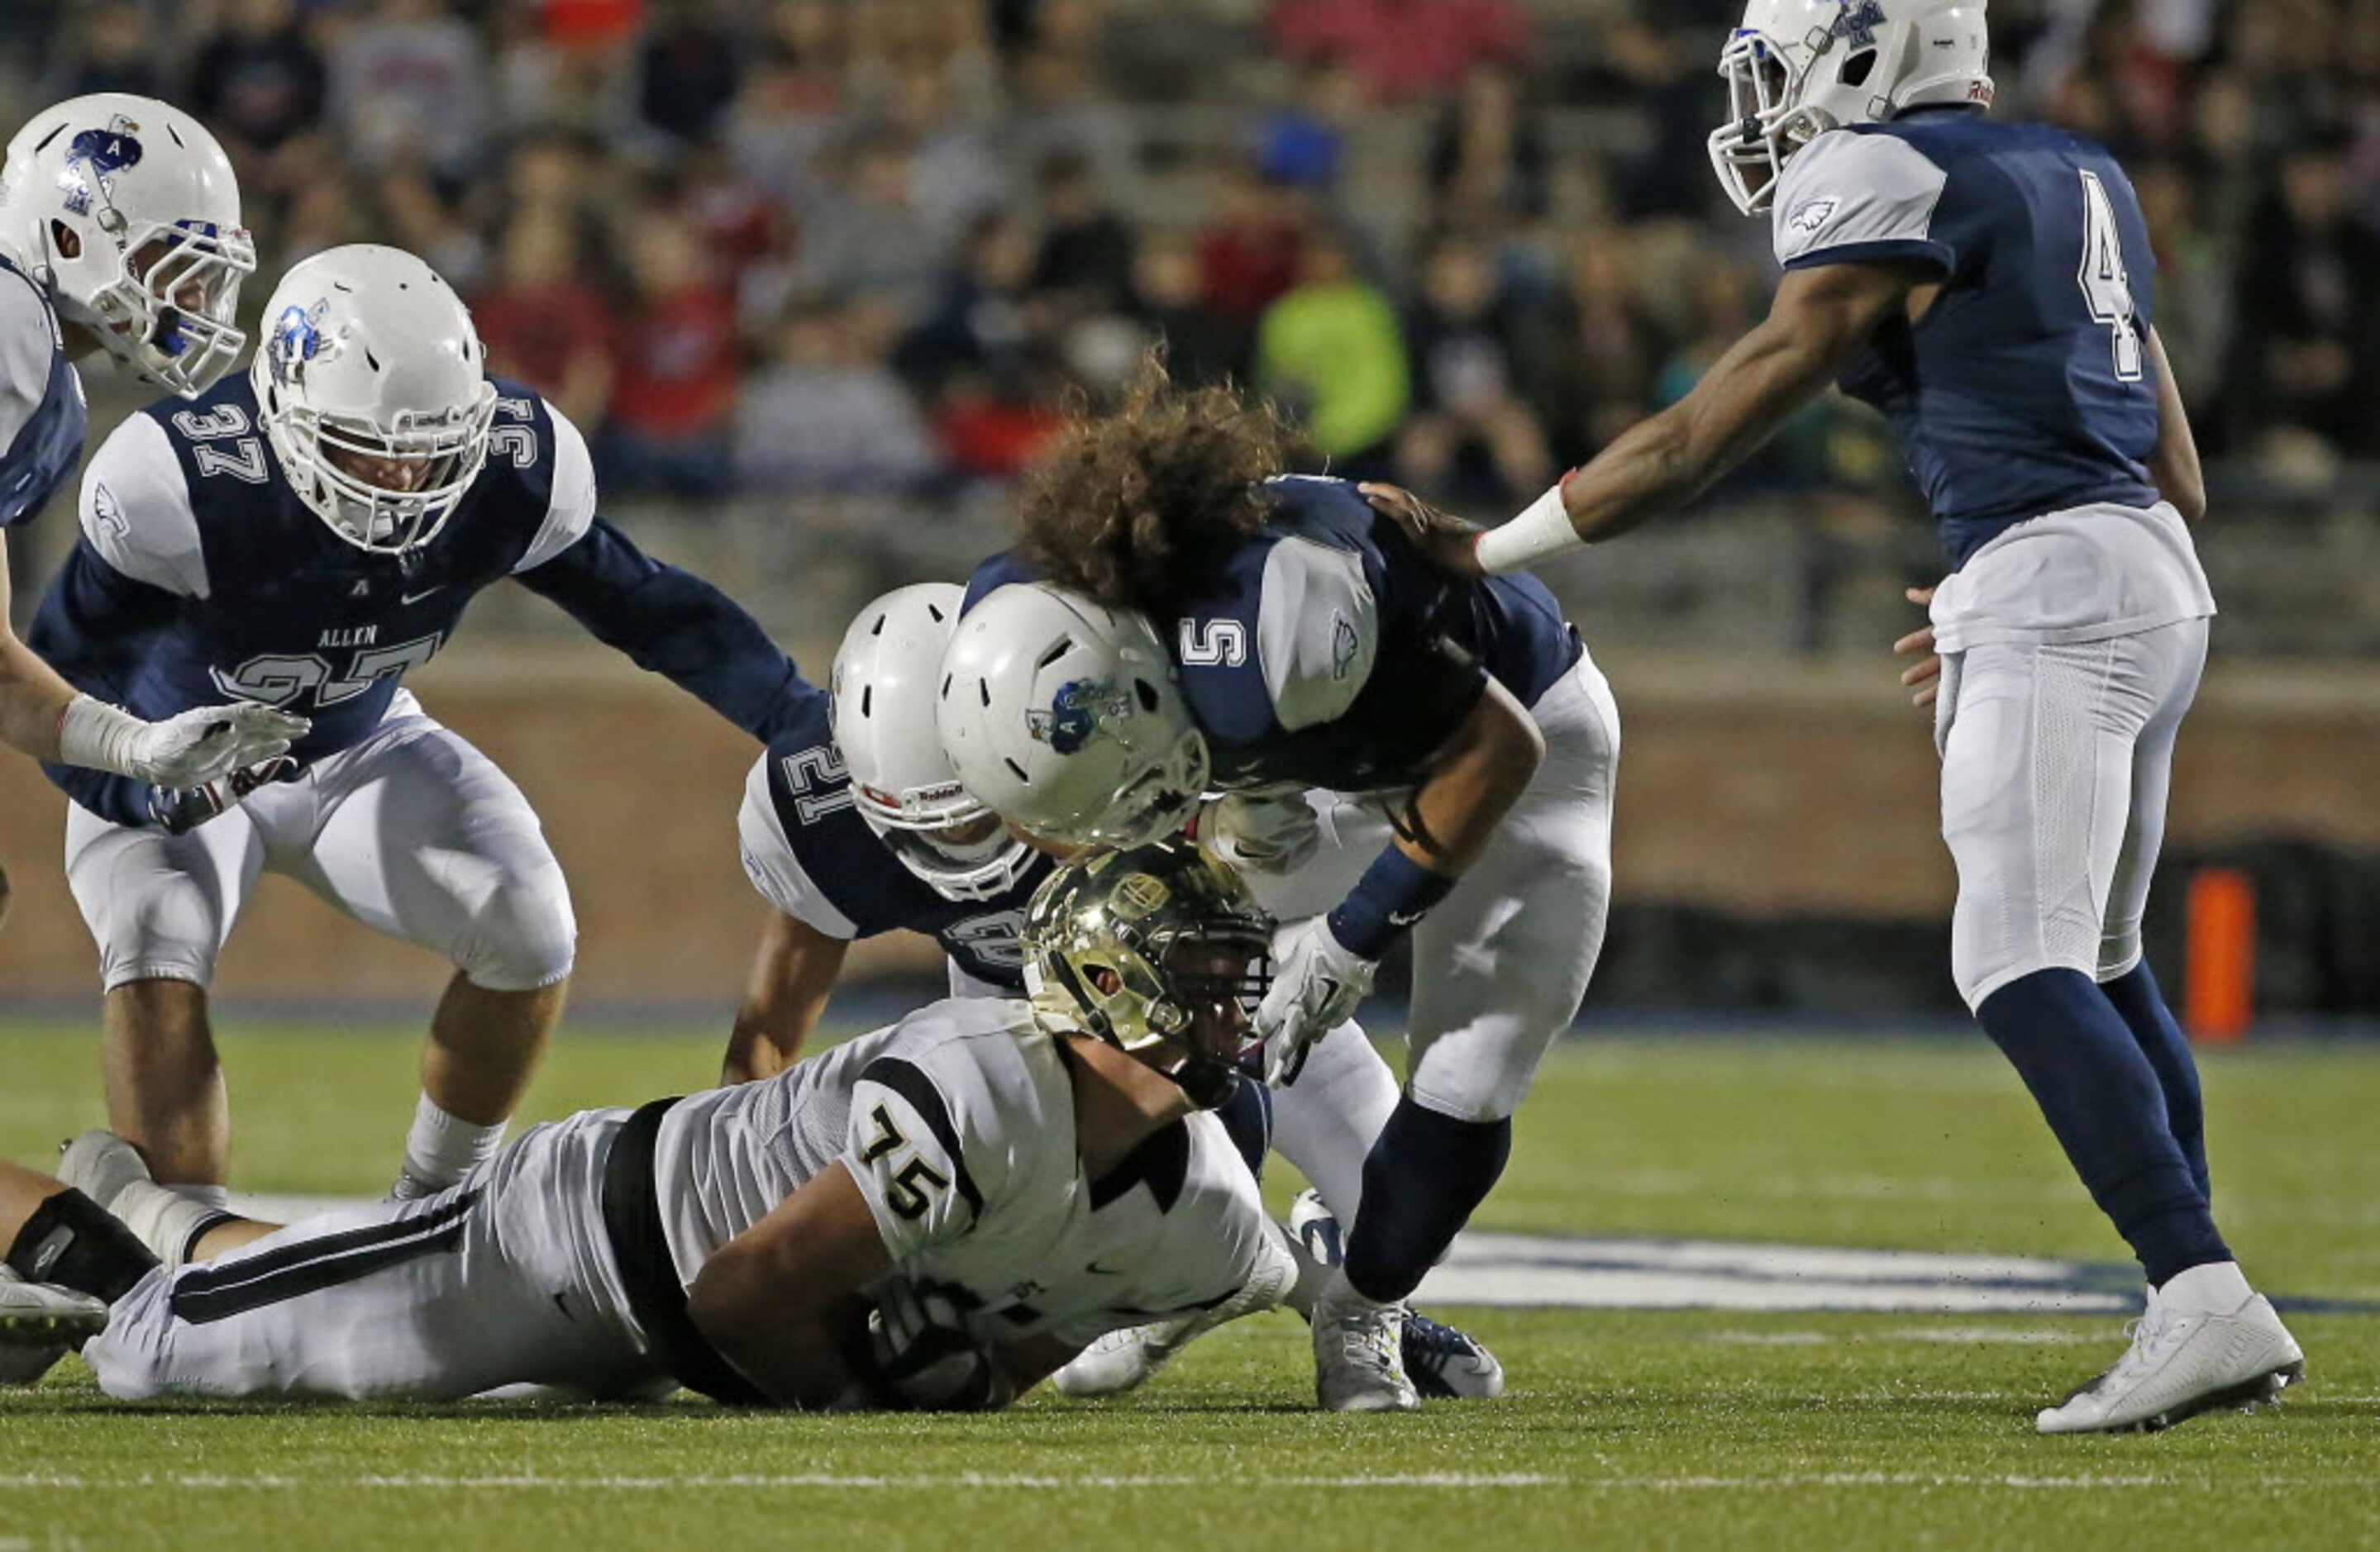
(1138, 509)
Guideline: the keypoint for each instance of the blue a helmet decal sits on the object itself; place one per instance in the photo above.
(297, 339)
(1073, 715)
(1859, 21)
(93, 156)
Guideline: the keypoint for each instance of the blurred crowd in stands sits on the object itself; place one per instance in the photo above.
(883, 245)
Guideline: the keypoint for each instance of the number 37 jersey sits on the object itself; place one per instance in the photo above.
(200, 577)
(2027, 387)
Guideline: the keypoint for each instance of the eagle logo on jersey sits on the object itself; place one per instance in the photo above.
(91, 156)
(1073, 715)
(297, 338)
(1811, 215)
(1859, 22)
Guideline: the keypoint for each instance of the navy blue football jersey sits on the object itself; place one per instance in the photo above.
(42, 415)
(2027, 388)
(199, 577)
(1327, 653)
(807, 850)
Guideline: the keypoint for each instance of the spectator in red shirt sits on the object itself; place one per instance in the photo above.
(679, 364)
(1248, 254)
(546, 326)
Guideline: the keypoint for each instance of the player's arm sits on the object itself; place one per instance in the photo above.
(32, 695)
(1822, 317)
(782, 1301)
(792, 975)
(674, 624)
(2174, 467)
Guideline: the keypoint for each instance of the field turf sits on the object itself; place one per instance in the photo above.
(1685, 1429)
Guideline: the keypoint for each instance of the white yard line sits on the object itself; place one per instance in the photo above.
(829, 1481)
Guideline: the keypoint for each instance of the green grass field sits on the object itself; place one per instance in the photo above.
(1687, 1428)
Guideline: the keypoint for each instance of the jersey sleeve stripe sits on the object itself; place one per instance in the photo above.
(1161, 1163)
(1939, 255)
(905, 1079)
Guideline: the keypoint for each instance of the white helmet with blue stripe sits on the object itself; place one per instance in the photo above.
(1797, 68)
(127, 211)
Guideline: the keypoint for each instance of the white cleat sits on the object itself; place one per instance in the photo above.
(1445, 1362)
(2189, 1354)
(40, 1324)
(1358, 1353)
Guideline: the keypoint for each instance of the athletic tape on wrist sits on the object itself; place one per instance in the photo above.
(1543, 530)
(1394, 893)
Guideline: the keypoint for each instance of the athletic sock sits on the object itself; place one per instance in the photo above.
(441, 1148)
(1422, 1180)
(168, 1218)
(214, 1198)
(2103, 1099)
(2143, 1008)
(2218, 1287)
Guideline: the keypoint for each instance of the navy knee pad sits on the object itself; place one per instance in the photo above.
(71, 1242)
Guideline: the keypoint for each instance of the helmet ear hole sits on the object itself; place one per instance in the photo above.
(65, 240)
(1858, 68)
(1148, 694)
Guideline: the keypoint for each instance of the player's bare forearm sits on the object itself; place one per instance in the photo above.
(2174, 467)
(774, 1300)
(32, 694)
(1475, 778)
(1821, 319)
(794, 972)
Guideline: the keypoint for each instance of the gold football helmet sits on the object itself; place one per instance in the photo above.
(1157, 949)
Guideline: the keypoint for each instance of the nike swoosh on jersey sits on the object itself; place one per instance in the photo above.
(426, 592)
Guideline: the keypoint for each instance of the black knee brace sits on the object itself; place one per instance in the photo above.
(72, 1243)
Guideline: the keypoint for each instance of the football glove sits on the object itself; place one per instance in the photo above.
(179, 810)
(1316, 983)
(198, 747)
(926, 1360)
(1260, 834)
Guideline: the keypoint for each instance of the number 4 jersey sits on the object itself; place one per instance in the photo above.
(2026, 395)
(958, 1124)
(199, 577)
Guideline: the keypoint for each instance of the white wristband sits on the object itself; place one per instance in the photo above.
(100, 736)
(1540, 532)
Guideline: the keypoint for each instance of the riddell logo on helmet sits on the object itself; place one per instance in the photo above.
(1981, 91)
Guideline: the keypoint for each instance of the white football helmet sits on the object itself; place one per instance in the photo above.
(1066, 718)
(372, 386)
(127, 212)
(901, 779)
(1797, 68)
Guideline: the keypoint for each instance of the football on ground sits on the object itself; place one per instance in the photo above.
(1781, 1291)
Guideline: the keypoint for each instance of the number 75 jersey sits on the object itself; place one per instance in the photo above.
(2027, 387)
(199, 577)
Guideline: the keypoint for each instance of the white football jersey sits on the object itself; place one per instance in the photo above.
(958, 1123)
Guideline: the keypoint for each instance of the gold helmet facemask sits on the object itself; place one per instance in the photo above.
(1181, 951)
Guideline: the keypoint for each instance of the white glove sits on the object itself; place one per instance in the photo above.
(1274, 834)
(1317, 982)
(919, 1338)
(190, 751)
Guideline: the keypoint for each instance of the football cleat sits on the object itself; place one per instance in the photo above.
(2184, 1359)
(1358, 1346)
(1447, 1364)
(1444, 1363)
(40, 1324)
